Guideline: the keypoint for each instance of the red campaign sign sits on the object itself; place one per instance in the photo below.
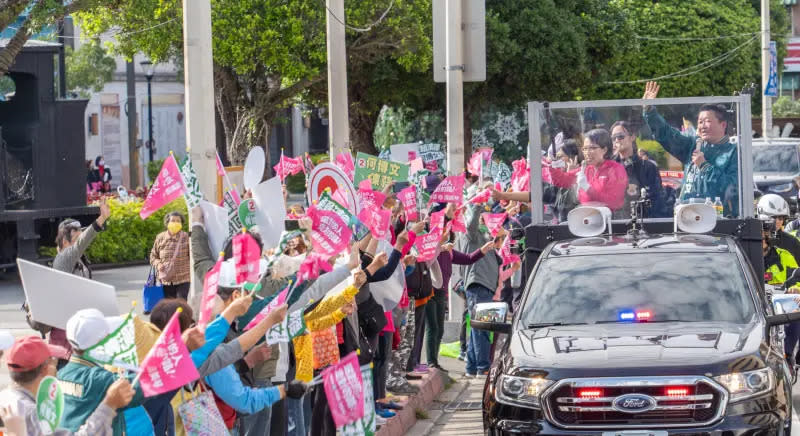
(168, 364)
(288, 166)
(329, 233)
(344, 389)
(672, 174)
(246, 258)
(520, 176)
(494, 222)
(167, 187)
(427, 245)
(209, 294)
(409, 198)
(451, 190)
(377, 219)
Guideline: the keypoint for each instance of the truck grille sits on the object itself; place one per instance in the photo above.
(635, 402)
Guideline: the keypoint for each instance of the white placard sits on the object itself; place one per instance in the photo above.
(328, 175)
(215, 219)
(270, 211)
(399, 152)
(54, 296)
(254, 167)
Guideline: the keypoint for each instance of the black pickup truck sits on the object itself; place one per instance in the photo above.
(670, 334)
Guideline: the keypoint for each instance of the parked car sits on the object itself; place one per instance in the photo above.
(776, 162)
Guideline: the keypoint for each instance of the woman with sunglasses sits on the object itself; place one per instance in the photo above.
(641, 174)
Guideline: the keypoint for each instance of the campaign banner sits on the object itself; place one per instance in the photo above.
(326, 202)
(313, 265)
(450, 190)
(191, 184)
(277, 301)
(344, 161)
(117, 349)
(344, 389)
(369, 198)
(366, 426)
(457, 222)
(49, 405)
(432, 154)
(505, 253)
(329, 233)
(378, 171)
(288, 166)
(167, 187)
(427, 245)
(377, 219)
(168, 364)
(520, 176)
(232, 209)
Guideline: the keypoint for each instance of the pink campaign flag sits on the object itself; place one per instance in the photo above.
(345, 162)
(451, 190)
(377, 219)
(167, 187)
(220, 167)
(494, 222)
(427, 245)
(409, 198)
(209, 294)
(432, 165)
(368, 198)
(520, 176)
(458, 221)
(246, 258)
(277, 301)
(311, 267)
(288, 166)
(168, 365)
(414, 165)
(437, 221)
(329, 233)
(482, 197)
(505, 253)
(344, 389)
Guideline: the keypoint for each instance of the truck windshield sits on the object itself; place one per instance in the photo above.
(656, 287)
(776, 159)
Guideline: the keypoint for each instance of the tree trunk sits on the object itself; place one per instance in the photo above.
(12, 49)
(362, 127)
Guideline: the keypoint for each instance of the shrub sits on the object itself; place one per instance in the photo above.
(153, 168)
(296, 184)
(655, 150)
(128, 237)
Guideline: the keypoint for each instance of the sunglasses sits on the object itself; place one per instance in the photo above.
(619, 137)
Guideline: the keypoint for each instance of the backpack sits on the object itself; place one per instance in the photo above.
(419, 282)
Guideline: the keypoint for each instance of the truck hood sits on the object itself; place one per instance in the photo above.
(643, 349)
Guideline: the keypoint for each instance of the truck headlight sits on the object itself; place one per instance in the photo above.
(783, 187)
(521, 391)
(743, 385)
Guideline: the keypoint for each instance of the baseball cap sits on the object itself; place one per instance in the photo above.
(89, 326)
(30, 352)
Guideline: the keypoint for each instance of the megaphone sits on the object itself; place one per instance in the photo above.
(586, 221)
(695, 218)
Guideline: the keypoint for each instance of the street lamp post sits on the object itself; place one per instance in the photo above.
(149, 71)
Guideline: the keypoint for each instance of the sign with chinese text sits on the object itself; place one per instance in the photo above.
(378, 171)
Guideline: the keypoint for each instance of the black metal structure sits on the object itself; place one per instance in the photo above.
(42, 156)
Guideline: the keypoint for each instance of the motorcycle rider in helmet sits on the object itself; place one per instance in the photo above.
(781, 249)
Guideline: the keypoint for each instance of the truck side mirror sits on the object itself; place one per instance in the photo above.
(490, 317)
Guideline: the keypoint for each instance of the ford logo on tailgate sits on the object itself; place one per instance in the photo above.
(634, 403)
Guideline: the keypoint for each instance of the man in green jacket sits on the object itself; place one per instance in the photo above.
(711, 161)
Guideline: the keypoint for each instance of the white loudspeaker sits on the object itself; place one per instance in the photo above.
(586, 221)
(695, 218)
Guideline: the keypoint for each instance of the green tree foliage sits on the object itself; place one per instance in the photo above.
(661, 33)
(88, 68)
(267, 52)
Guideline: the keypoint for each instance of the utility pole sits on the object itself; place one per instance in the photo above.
(766, 102)
(200, 122)
(454, 67)
(338, 118)
(130, 110)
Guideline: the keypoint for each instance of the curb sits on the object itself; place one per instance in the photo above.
(430, 386)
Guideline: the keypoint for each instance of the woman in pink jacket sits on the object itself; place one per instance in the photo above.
(600, 179)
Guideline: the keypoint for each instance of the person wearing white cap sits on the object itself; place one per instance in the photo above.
(83, 381)
(30, 360)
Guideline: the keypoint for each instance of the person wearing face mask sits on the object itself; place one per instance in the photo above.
(641, 174)
(710, 159)
(103, 175)
(170, 257)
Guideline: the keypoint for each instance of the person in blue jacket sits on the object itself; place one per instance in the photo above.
(711, 163)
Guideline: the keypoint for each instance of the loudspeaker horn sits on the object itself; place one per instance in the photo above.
(695, 218)
(586, 221)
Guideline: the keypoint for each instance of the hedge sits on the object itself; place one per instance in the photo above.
(296, 184)
(127, 237)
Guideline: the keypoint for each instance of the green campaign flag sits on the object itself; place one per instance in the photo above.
(296, 323)
(367, 425)
(49, 404)
(247, 213)
(118, 348)
(378, 171)
(191, 191)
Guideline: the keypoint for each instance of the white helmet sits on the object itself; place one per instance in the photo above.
(772, 205)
